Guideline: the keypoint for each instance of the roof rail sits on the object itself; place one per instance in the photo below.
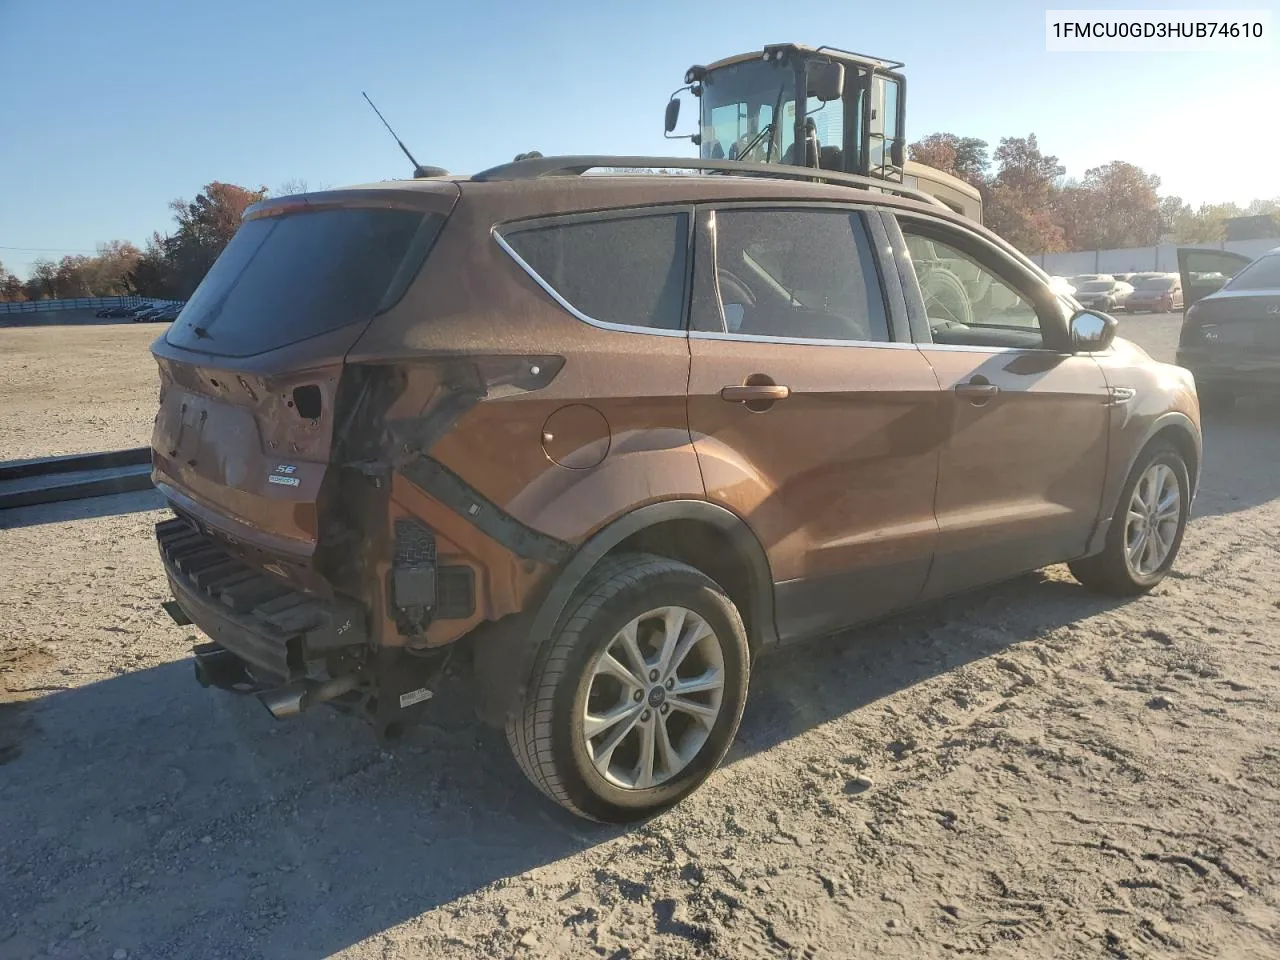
(577, 165)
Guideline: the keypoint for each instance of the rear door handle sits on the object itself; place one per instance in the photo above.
(745, 393)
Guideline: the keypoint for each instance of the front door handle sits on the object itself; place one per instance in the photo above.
(979, 390)
(745, 393)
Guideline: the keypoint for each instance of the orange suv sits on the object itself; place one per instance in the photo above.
(599, 441)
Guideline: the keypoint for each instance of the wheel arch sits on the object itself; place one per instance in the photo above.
(706, 536)
(1172, 427)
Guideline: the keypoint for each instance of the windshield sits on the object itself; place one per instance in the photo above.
(1095, 286)
(740, 104)
(1262, 274)
(1155, 283)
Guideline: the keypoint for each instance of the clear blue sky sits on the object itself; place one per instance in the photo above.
(110, 110)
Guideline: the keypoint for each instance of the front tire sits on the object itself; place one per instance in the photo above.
(1146, 530)
(636, 698)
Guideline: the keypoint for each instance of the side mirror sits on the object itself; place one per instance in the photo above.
(898, 153)
(673, 114)
(1092, 331)
(826, 81)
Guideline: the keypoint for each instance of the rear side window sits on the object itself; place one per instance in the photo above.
(1262, 274)
(286, 278)
(628, 271)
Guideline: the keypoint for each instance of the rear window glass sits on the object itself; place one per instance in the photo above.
(628, 271)
(1096, 286)
(286, 278)
(1155, 283)
(1263, 274)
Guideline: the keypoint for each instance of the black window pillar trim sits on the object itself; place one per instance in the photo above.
(908, 283)
(900, 328)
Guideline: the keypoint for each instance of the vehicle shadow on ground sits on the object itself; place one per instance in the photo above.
(800, 687)
(139, 501)
(1241, 458)
(149, 814)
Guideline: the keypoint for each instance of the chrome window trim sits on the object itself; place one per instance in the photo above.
(806, 341)
(574, 311)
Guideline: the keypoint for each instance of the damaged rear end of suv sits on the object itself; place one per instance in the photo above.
(283, 548)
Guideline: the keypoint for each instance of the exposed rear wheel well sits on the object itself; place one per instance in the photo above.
(707, 548)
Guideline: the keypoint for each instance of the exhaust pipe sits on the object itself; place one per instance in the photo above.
(290, 701)
(218, 667)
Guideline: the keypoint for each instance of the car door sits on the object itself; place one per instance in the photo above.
(1203, 272)
(1024, 453)
(813, 416)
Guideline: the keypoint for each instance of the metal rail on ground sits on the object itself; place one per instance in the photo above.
(25, 483)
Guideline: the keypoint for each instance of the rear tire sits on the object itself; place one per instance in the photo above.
(1145, 533)
(646, 643)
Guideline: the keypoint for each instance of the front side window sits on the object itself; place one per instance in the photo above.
(966, 302)
(804, 274)
(628, 271)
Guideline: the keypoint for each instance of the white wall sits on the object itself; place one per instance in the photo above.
(1135, 259)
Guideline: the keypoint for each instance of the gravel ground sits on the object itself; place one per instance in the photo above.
(1030, 770)
(76, 389)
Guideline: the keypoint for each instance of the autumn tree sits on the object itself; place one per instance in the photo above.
(112, 266)
(11, 288)
(174, 265)
(936, 150)
(1021, 199)
(205, 226)
(42, 283)
(151, 274)
(1126, 204)
(964, 157)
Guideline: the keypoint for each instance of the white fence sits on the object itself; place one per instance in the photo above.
(1136, 259)
(78, 303)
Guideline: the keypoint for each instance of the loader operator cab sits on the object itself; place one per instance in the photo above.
(813, 107)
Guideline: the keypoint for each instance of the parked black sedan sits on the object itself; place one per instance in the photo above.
(1231, 331)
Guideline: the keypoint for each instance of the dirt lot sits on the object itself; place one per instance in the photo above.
(1029, 771)
(74, 389)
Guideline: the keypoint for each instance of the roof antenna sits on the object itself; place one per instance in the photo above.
(419, 171)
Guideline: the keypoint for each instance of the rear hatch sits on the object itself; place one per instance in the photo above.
(251, 371)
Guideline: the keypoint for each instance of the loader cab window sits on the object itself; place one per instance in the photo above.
(828, 124)
(739, 105)
(884, 128)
